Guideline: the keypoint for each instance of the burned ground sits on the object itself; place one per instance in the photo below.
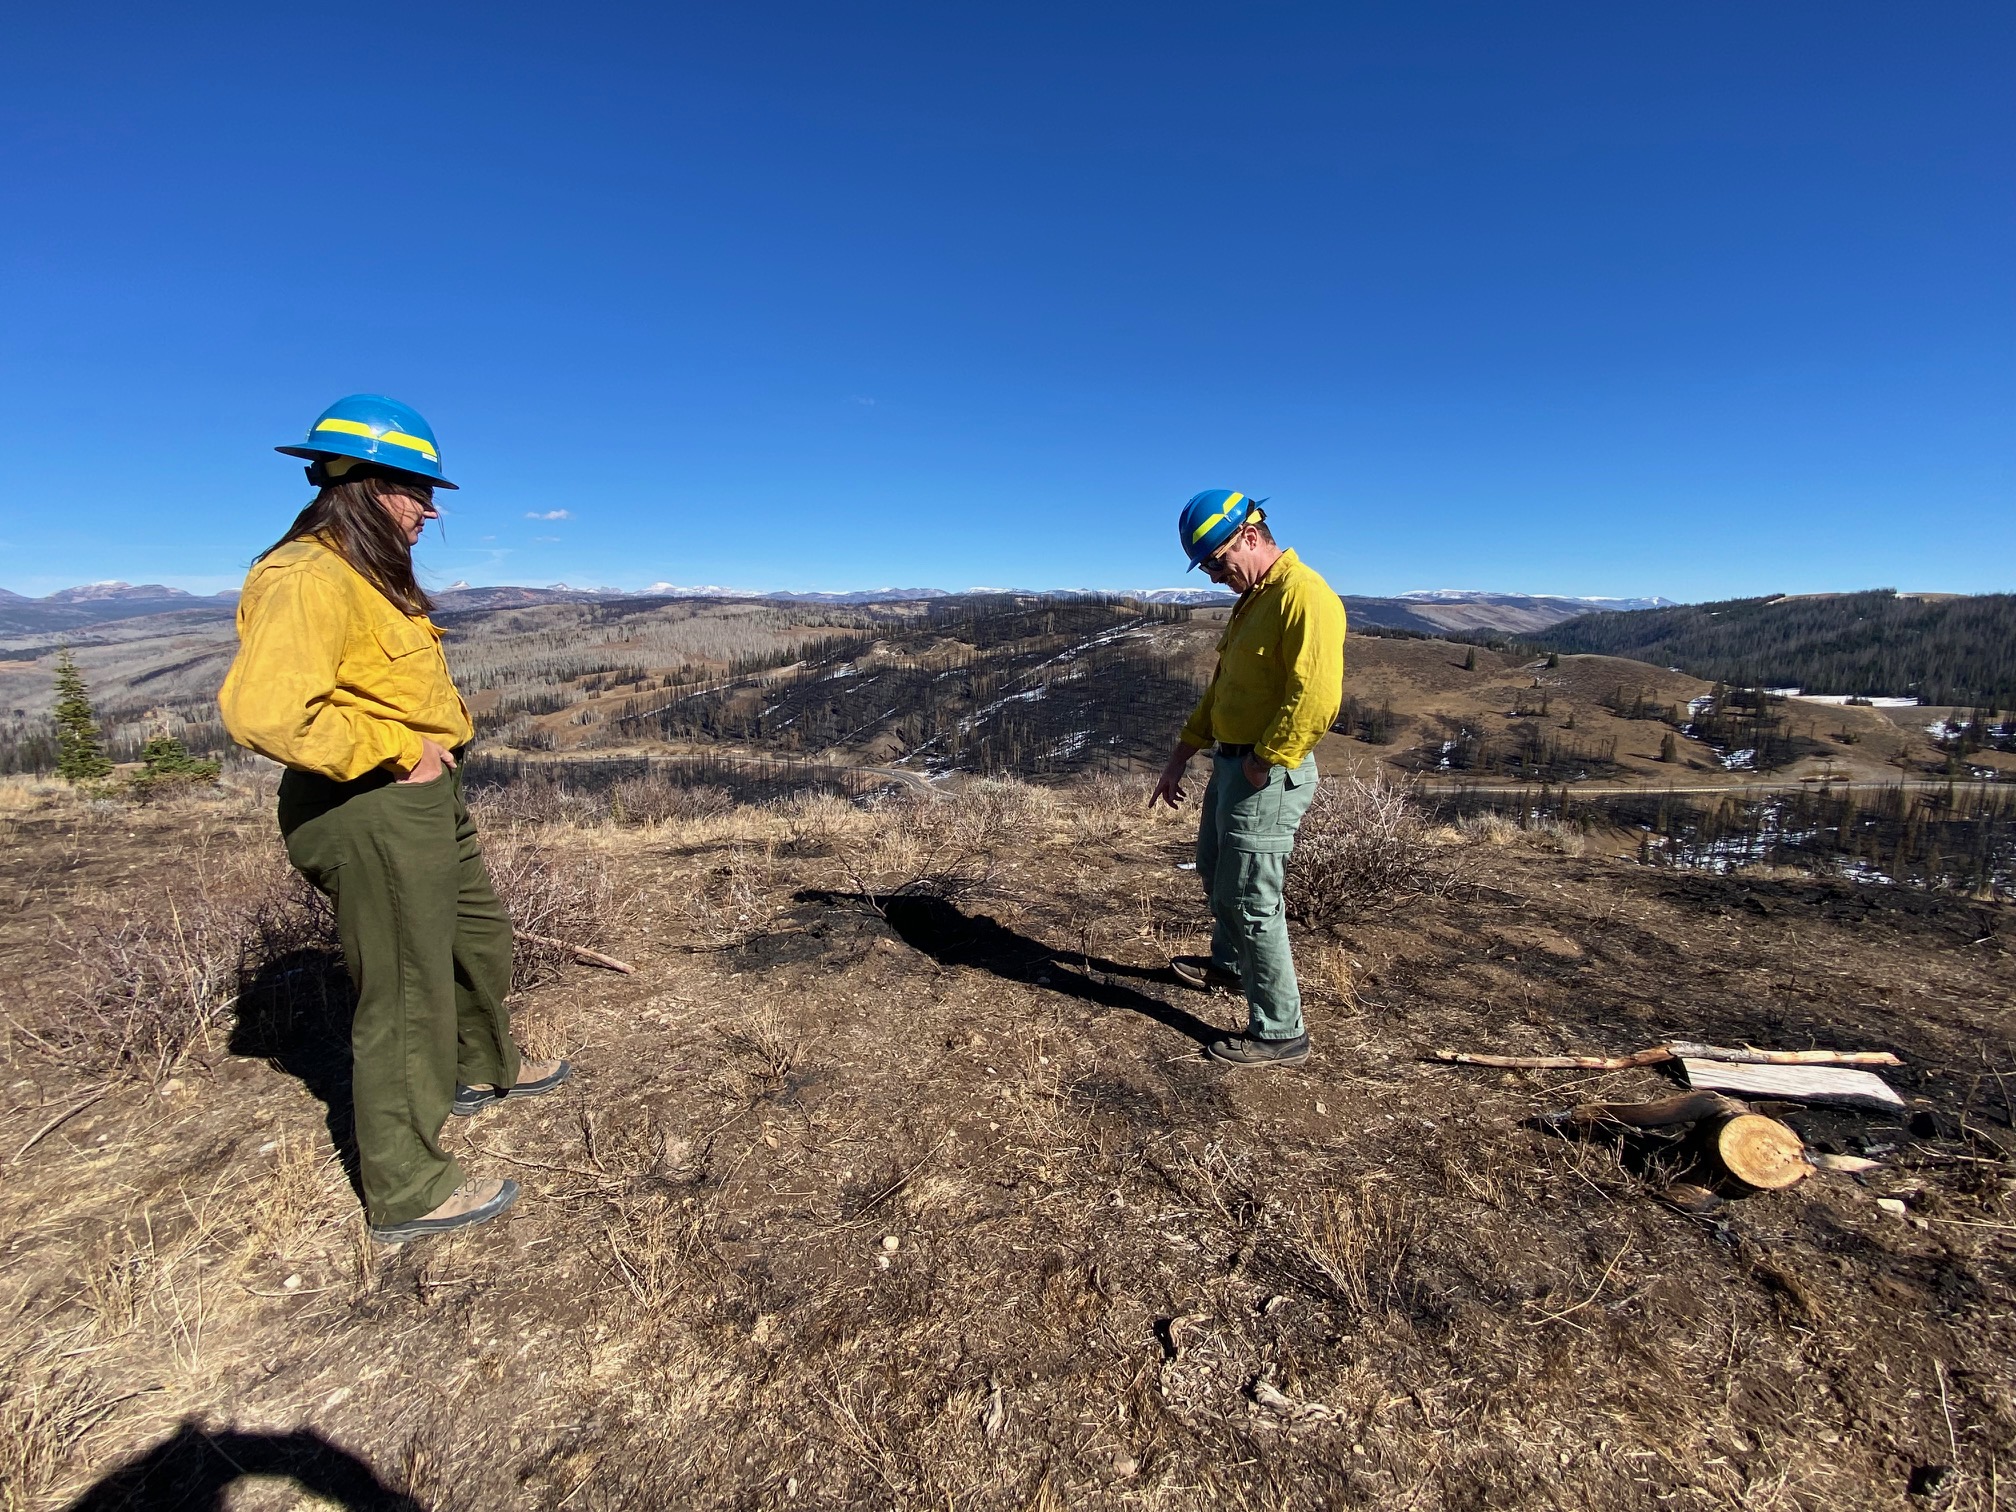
(894, 1178)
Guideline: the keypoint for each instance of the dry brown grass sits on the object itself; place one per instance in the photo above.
(840, 1216)
(48, 1408)
(154, 979)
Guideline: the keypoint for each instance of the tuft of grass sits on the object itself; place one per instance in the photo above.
(47, 1408)
(934, 845)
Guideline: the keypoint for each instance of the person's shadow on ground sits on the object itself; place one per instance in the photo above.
(294, 1013)
(942, 930)
(192, 1469)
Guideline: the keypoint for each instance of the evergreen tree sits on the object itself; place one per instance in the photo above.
(1470, 660)
(80, 753)
(1669, 748)
(168, 764)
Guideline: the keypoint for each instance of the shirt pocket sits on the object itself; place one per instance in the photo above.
(406, 672)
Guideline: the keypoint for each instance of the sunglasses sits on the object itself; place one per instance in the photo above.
(1214, 565)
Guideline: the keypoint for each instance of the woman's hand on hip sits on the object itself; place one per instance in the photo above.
(434, 758)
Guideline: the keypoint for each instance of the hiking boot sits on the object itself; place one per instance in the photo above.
(1203, 973)
(544, 1077)
(471, 1203)
(1250, 1050)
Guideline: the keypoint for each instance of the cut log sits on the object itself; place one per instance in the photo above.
(1677, 1050)
(1661, 1113)
(1684, 1049)
(1761, 1152)
(1822, 1084)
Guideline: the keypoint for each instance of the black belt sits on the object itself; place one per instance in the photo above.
(1226, 748)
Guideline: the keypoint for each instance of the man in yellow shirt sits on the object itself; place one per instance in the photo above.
(1275, 693)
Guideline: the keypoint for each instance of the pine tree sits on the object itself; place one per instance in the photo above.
(80, 754)
(168, 765)
(1470, 660)
(1669, 748)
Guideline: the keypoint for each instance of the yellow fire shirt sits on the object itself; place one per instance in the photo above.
(1280, 676)
(330, 677)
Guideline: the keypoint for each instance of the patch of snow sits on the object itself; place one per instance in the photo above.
(1741, 761)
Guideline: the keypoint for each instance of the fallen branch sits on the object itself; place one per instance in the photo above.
(1676, 1050)
(582, 952)
(56, 1123)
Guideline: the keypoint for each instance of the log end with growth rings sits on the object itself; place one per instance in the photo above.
(1761, 1152)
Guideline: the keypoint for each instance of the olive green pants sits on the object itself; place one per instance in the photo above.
(1243, 841)
(428, 945)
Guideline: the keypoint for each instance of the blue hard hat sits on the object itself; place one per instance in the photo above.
(375, 429)
(1210, 519)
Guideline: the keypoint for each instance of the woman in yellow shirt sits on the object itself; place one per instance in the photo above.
(341, 679)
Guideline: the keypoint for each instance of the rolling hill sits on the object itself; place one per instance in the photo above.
(1942, 648)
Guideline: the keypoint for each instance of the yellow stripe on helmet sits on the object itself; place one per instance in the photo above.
(411, 443)
(1199, 533)
(396, 438)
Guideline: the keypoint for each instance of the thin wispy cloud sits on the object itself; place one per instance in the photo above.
(551, 514)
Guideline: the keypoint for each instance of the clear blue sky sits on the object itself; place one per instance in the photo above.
(1697, 299)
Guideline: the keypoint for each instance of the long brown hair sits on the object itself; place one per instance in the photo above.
(348, 518)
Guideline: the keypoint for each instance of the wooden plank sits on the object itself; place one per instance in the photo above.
(1826, 1084)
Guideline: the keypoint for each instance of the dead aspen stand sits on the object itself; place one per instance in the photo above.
(1823, 1084)
(1760, 1152)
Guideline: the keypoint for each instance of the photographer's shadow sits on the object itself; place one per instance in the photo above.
(294, 1013)
(193, 1469)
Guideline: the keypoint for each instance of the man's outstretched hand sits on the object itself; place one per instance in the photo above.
(1169, 787)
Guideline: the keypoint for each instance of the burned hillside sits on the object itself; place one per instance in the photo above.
(977, 684)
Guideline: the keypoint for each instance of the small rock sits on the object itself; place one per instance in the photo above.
(1891, 1206)
(891, 1244)
(269, 1147)
(1321, 1109)
(292, 1283)
(791, 1486)
(172, 1087)
(1126, 1466)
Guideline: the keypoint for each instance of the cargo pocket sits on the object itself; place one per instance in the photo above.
(1253, 816)
(1298, 791)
